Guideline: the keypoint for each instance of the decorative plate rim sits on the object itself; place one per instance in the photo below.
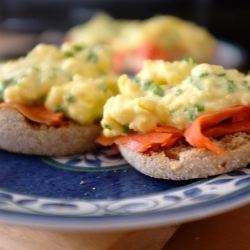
(135, 221)
(190, 212)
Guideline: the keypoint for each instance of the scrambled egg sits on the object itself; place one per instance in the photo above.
(179, 37)
(174, 94)
(100, 29)
(71, 79)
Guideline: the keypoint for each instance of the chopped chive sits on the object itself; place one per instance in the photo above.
(53, 73)
(77, 47)
(192, 114)
(53, 76)
(69, 97)
(179, 92)
(126, 129)
(1, 96)
(150, 85)
(35, 68)
(189, 60)
(107, 126)
(200, 107)
(41, 98)
(5, 83)
(245, 83)
(92, 57)
(145, 84)
(194, 80)
(156, 89)
(60, 109)
(184, 109)
(231, 86)
(203, 75)
(103, 86)
(68, 54)
(221, 74)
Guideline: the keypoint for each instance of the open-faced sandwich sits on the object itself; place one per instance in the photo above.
(160, 37)
(181, 120)
(52, 99)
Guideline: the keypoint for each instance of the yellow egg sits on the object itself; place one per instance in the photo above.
(74, 79)
(174, 94)
(176, 36)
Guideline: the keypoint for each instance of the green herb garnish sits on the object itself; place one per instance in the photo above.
(41, 98)
(68, 54)
(146, 84)
(35, 68)
(53, 75)
(103, 86)
(69, 97)
(200, 107)
(192, 114)
(245, 83)
(184, 109)
(92, 56)
(179, 92)
(5, 83)
(77, 47)
(60, 109)
(195, 81)
(126, 129)
(203, 75)
(189, 60)
(231, 86)
(157, 90)
(150, 85)
(107, 126)
(221, 74)
(1, 96)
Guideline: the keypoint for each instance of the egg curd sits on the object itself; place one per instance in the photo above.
(179, 37)
(72, 79)
(174, 94)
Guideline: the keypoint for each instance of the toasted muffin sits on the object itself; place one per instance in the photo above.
(21, 135)
(183, 162)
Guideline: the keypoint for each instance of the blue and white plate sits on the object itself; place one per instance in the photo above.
(230, 55)
(100, 191)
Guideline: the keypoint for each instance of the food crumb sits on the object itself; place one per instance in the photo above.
(93, 188)
(82, 182)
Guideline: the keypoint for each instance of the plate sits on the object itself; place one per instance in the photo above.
(230, 55)
(101, 191)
